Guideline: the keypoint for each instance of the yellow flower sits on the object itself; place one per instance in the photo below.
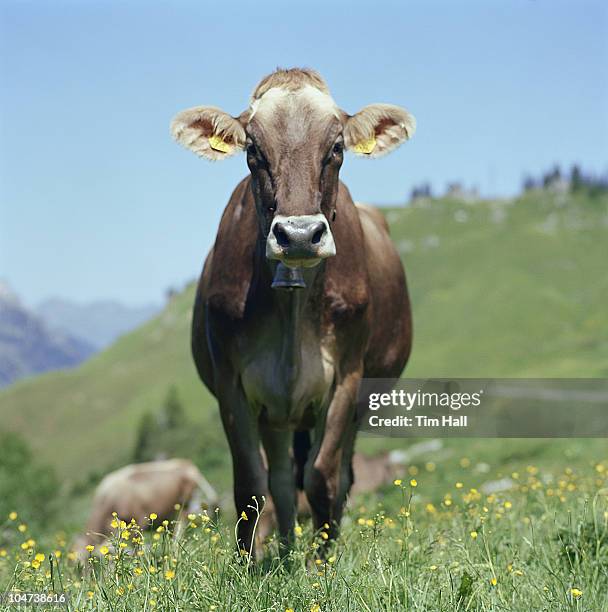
(12, 516)
(138, 571)
(22, 528)
(397, 482)
(508, 505)
(413, 482)
(125, 535)
(473, 534)
(361, 521)
(298, 531)
(244, 516)
(35, 564)
(156, 536)
(114, 524)
(120, 591)
(123, 545)
(39, 557)
(169, 574)
(324, 535)
(90, 547)
(177, 506)
(90, 594)
(433, 568)
(2, 552)
(153, 516)
(289, 610)
(152, 569)
(576, 593)
(493, 581)
(332, 559)
(430, 508)
(192, 517)
(315, 608)
(459, 485)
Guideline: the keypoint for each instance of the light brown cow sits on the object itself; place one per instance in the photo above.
(137, 490)
(302, 295)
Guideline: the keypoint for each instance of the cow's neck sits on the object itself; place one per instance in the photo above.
(292, 309)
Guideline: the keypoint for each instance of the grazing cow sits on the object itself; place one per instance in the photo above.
(135, 491)
(301, 296)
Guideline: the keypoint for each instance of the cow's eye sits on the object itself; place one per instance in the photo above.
(338, 148)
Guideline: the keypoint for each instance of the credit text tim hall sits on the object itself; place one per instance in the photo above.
(410, 400)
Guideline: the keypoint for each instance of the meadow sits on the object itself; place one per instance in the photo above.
(541, 545)
(512, 288)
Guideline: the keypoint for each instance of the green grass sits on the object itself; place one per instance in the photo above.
(543, 545)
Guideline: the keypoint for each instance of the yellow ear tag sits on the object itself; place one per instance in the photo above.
(217, 144)
(365, 146)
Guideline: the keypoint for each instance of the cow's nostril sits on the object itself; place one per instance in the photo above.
(318, 233)
(281, 235)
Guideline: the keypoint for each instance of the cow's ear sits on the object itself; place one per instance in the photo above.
(209, 132)
(377, 129)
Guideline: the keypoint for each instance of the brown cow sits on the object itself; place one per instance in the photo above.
(135, 491)
(302, 295)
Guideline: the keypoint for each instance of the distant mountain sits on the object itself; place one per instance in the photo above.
(28, 346)
(99, 323)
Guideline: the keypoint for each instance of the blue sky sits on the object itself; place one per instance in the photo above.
(96, 201)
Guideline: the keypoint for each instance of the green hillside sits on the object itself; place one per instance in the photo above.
(499, 288)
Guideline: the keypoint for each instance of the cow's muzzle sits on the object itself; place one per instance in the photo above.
(300, 241)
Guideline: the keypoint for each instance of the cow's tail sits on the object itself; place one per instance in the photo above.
(301, 448)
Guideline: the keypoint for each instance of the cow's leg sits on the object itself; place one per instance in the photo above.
(281, 480)
(249, 475)
(328, 474)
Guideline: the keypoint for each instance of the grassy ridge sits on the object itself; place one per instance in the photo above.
(499, 288)
(514, 288)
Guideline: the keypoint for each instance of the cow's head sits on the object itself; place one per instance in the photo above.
(295, 136)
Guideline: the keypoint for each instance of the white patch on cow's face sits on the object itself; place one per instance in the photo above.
(268, 102)
(277, 96)
(320, 100)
